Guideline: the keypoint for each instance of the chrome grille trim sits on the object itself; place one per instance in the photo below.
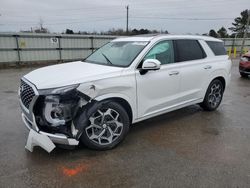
(26, 93)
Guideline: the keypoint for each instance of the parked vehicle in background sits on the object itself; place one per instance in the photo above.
(244, 66)
(126, 81)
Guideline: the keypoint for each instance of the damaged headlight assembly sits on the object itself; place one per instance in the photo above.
(59, 104)
(59, 90)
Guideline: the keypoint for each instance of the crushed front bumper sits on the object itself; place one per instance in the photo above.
(37, 137)
(45, 140)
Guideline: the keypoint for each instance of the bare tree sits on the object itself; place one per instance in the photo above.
(41, 28)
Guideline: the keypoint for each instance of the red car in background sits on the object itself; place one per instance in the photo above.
(244, 66)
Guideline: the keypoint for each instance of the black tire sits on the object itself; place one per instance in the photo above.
(243, 75)
(213, 98)
(114, 108)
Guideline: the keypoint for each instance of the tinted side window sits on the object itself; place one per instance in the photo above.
(217, 47)
(163, 51)
(187, 50)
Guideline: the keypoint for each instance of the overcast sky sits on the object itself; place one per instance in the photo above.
(176, 16)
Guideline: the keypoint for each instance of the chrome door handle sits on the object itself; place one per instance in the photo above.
(208, 67)
(173, 73)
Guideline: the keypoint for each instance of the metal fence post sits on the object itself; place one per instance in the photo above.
(60, 48)
(92, 44)
(18, 50)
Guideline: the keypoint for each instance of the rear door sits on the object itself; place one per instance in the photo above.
(195, 69)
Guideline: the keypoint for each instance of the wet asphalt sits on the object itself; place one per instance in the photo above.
(184, 148)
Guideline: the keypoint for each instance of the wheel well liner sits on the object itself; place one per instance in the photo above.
(124, 104)
(222, 79)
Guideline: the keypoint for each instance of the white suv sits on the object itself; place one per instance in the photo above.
(126, 81)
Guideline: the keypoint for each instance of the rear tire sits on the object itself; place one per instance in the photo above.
(243, 75)
(107, 126)
(213, 96)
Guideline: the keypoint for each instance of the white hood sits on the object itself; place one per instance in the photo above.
(70, 73)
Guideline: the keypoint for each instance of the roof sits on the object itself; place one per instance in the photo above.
(166, 36)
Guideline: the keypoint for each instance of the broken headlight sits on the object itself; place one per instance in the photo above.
(59, 90)
(59, 104)
(58, 110)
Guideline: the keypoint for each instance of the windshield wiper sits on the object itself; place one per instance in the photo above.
(107, 59)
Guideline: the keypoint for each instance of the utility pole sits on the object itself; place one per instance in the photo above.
(245, 33)
(127, 7)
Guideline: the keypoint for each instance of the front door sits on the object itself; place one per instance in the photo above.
(158, 90)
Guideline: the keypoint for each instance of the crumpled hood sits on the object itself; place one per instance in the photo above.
(69, 74)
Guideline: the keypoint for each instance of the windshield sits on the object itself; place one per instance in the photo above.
(117, 53)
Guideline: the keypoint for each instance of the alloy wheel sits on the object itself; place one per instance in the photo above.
(105, 126)
(215, 95)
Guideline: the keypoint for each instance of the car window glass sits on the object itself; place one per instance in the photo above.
(217, 47)
(188, 50)
(117, 53)
(162, 51)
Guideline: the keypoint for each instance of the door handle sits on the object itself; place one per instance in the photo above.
(174, 73)
(208, 67)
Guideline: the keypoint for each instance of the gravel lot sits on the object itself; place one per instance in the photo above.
(184, 148)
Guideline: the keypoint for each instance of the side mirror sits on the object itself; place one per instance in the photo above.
(151, 64)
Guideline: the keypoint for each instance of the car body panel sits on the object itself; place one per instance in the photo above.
(122, 87)
(244, 66)
(157, 89)
(70, 73)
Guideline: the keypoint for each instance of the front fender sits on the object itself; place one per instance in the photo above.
(121, 96)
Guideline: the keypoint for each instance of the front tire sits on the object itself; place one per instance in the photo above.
(107, 126)
(213, 96)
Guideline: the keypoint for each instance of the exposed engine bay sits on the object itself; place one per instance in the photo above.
(59, 113)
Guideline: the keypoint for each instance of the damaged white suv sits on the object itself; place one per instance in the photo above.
(126, 81)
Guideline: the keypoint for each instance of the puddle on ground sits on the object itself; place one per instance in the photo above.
(212, 131)
(9, 91)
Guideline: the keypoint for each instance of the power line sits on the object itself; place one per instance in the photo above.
(74, 9)
(69, 22)
(181, 18)
(62, 14)
(57, 22)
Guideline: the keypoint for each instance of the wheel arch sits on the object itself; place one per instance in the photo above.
(221, 75)
(222, 79)
(124, 104)
(123, 101)
(213, 77)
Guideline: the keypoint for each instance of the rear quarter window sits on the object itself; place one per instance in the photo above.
(187, 50)
(217, 47)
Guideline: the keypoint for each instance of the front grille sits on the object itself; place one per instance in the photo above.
(26, 94)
